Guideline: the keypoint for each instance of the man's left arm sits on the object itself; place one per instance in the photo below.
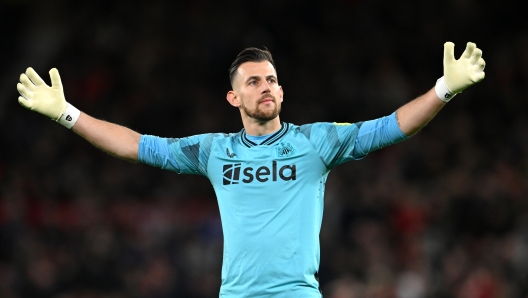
(458, 75)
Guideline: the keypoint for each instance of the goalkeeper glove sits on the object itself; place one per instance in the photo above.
(37, 96)
(460, 74)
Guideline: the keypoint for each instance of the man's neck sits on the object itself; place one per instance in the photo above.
(256, 128)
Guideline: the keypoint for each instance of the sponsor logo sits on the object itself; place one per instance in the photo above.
(69, 118)
(235, 173)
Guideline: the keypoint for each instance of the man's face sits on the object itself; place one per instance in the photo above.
(257, 90)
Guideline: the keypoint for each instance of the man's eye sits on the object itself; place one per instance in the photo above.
(253, 83)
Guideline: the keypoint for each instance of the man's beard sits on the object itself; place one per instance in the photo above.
(261, 115)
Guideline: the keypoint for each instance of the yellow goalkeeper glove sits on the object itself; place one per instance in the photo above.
(37, 96)
(462, 73)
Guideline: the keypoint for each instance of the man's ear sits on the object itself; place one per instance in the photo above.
(281, 93)
(232, 98)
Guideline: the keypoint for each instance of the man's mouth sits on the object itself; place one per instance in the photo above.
(266, 100)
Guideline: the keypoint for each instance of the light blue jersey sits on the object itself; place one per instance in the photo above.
(270, 196)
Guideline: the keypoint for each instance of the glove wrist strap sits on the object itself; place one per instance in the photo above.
(69, 116)
(442, 91)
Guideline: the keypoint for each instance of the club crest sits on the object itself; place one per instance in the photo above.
(285, 150)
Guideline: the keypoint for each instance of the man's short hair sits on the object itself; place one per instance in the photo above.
(249, 55)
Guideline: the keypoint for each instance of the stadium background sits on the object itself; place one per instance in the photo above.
(443, 214)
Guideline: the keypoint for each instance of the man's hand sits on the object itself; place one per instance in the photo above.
(39, 97)
(464, 72)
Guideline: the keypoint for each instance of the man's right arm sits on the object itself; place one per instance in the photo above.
(114, 139)
(49, 101)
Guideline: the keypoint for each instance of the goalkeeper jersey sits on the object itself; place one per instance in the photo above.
(270, 196)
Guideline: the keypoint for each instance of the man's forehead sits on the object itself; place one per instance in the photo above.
(251, 69)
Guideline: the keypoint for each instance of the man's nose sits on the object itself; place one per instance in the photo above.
(266, 87)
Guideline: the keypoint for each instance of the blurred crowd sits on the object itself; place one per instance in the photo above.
(443, 214)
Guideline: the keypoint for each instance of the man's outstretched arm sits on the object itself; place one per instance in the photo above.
(112, 138)
(458, 75)
(414, 115)
(37, 96)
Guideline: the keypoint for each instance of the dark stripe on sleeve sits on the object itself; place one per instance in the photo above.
(333, 139)
(206, 149)
(306, 130)
(358, 124)
(191, 152)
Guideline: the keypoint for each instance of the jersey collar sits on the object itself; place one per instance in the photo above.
(272, 139)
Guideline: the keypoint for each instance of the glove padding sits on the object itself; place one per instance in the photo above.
(37, 96)
(464, 72)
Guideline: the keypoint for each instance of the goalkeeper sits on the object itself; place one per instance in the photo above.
(269, 178)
